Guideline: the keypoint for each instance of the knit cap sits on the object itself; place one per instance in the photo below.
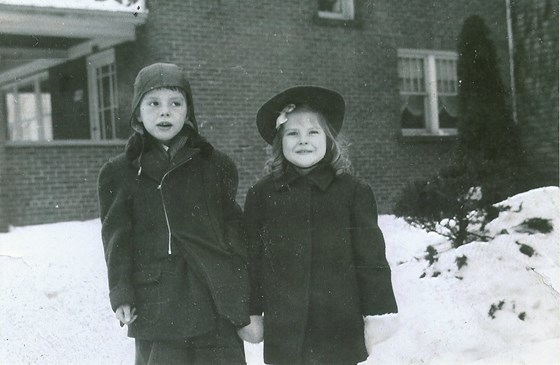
(156, 76)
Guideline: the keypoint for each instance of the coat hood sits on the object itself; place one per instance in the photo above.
(156, 76)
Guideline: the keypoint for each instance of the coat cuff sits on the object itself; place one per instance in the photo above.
(120, 296)
(380, 328)
(255, 308)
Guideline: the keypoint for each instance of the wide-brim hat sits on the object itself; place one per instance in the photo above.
(328, 102)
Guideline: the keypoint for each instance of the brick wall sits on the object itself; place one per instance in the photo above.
(237, 55)
(53, 183)
(535, 34)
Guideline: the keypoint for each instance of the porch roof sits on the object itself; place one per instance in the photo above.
(33, 38)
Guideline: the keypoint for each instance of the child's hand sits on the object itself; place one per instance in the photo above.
(253, 332)
(379, 328)
(126, 314)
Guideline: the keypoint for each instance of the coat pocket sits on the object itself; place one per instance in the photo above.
(147, 284)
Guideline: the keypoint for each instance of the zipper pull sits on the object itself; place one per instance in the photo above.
(159, 187)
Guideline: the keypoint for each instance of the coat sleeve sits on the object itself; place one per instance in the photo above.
(255, 248)
(373, 271)
(232, 214)
(116, 228)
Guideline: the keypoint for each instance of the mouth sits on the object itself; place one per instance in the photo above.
(164, 125)
(304, 152)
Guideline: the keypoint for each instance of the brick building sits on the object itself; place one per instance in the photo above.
(535, 59)
(66, 85)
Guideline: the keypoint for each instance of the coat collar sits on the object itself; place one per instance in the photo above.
(145, 156)
(321, 176)
(155, 163)
(139, 143)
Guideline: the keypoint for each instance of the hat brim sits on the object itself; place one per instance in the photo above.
(328, 102)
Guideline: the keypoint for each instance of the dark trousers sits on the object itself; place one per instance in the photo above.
(222, 347)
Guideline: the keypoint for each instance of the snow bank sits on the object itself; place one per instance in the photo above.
(499, 306)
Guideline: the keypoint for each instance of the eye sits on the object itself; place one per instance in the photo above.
(176, 103)
(314, 132)
(153, 103)
(291, 133)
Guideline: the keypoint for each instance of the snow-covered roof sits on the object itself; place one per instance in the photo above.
(106, 5)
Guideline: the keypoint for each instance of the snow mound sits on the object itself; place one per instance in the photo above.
(485, 303)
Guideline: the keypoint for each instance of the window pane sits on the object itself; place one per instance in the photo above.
(333, 6)
(413, 112)
(107, 100)
(104, 70)
(411, 75)
(12, 109)
(106, 92)
(46, 111)
(108, 125)
(336, 9)
(446, 71)
(28, 109)
(47, 126)
(448, 111)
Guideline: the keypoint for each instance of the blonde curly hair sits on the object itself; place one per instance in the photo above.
(337, 148)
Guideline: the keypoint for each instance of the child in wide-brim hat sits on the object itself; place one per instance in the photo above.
(317, 255)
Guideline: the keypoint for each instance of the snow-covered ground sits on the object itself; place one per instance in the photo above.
(501, 307)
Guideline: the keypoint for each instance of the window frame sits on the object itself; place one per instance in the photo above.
(94, 62)
(35, 81)
(431, 105)
(348, 12)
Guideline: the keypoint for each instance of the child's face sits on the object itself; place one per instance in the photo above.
(163, 113)
(304, 142)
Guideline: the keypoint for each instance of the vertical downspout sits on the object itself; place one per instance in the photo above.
(511, 62)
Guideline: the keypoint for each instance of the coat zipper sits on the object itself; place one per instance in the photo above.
(165, 208)
(165, 213)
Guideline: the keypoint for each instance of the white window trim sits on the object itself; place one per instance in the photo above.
(432, 124)
(347, 12)
(93, 62)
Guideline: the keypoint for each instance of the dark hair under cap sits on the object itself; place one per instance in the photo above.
(161, 75)
(328, 102)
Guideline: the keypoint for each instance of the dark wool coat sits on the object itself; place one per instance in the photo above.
(173, 241)
(318, 265)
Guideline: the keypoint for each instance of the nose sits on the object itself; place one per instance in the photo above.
(164, 110)
(303, 139)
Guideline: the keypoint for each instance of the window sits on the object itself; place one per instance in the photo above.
(103, 101)
(336, 9)
(428, 90)
(28, 108)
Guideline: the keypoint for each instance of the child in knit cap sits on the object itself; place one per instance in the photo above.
(172, 233)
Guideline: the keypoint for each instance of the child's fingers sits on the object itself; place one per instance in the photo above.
(130, 314)
(126, 314)
(120, 314)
